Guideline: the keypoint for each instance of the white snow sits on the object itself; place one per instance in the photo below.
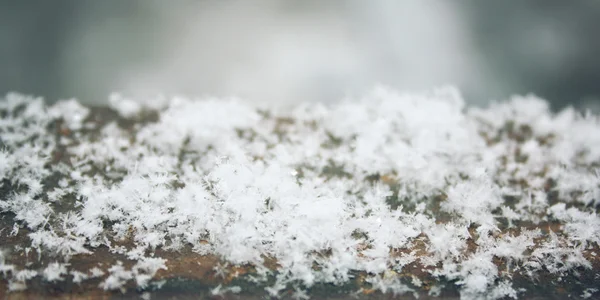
(223, 177)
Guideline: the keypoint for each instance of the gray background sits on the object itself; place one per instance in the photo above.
(285, 52)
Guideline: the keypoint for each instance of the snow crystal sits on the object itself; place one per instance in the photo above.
(71, 112)
(369, 186)
(54, 271)
(117, 277)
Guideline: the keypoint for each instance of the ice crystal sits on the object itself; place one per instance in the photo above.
(325, 191)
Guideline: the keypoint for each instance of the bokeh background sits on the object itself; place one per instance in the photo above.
(284, 52)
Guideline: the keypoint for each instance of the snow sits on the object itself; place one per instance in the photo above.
(54, 271)
(71, 112)
(323, 190)
(5, 268)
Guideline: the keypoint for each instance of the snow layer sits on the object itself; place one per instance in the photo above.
(322, 190)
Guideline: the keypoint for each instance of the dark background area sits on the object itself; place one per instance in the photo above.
(301, 50)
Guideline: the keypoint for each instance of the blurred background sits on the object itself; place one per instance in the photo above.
(283, 52)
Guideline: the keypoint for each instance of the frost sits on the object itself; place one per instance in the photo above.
(326, 192)
(15, 286)
(588, 293)
(96, 272)
(221, 291)
(117, 277)
(128, 107)
(582, 227)
(125, 107)
(4, 267)
(71, 112)
(78, 277)
(54, 271)
(474, 199)
(145, 269)
(141, 272)
(19, 279)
